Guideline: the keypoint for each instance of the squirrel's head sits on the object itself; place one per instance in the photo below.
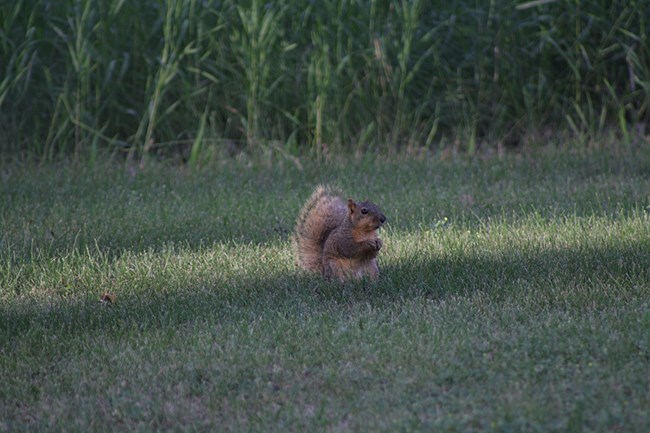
(365, 214)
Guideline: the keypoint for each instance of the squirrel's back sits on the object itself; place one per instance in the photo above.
(323, 212)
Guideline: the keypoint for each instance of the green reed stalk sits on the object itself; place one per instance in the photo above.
(319, 76)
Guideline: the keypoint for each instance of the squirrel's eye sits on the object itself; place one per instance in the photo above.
(364, 210)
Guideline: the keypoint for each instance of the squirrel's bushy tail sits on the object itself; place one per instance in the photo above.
(322, 213)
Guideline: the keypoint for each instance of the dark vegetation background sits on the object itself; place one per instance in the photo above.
(208, 78)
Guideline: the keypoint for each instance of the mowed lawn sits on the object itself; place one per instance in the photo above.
(514, 296)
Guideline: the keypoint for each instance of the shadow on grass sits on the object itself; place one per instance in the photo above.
(568, 277)
(618, 266)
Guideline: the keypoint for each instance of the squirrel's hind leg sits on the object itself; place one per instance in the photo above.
(371, 269)
(336, 268)
(345, 269)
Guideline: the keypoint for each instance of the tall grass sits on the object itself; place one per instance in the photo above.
(194, 76)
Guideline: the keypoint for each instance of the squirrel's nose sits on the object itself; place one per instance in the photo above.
(382, 219)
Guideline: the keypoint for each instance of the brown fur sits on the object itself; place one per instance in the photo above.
(336, 238)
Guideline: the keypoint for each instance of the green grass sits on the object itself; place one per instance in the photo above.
(514, 296)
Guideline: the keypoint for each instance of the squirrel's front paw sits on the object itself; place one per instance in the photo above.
(376, 244)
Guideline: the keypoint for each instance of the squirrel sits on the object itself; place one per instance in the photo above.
(336, 238)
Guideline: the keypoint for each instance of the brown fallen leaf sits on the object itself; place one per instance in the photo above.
(107, 298)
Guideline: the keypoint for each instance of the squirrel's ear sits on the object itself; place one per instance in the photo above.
(352, 205)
